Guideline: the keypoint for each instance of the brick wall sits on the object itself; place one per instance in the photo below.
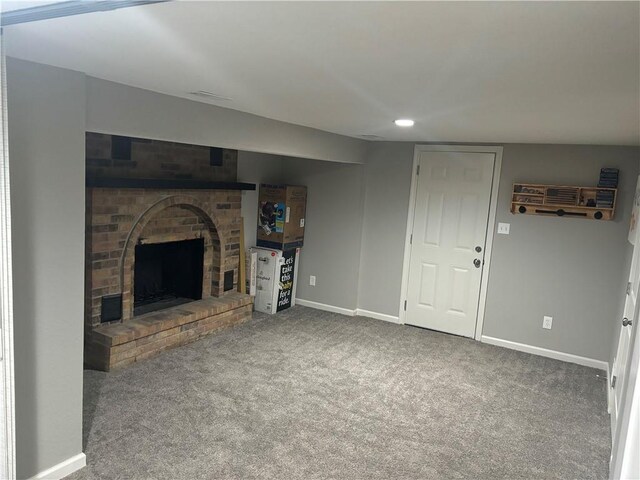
(129, 157)
(119, 218)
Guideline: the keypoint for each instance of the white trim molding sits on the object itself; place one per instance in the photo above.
(609, 392)
(7, 373)
(491, 223)
(347, 311)
(377, 316)
(544, 352)
(325, 307)
(488, 246)
(62, 469)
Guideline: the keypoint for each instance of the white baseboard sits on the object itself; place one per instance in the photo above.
(347, 311)
(378, 316)
(543, 352)
(61, 470)
(325, 307)
(609, 392)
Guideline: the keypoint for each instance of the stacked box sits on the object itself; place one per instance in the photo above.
(605, 198)
(281, 212)
(608, 178)
(276, 275)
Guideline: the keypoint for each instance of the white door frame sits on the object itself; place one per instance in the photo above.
(497, 166)
(625, 440)
(7, 396)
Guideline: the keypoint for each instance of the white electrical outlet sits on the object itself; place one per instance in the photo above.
(546, 322)
(312, 282)
(503, 228)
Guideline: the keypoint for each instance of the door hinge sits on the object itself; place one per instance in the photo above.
(613, 381)
(411, 239)
(418, 170)
(405, 305)
(628, 288)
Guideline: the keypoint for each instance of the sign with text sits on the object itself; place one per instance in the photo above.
(286, 279)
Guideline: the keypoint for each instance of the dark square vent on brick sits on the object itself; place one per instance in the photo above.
(215, 156)
(120, 148)
(228, 280)
(111, 308)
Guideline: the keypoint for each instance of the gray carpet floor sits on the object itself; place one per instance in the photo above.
(307, 394)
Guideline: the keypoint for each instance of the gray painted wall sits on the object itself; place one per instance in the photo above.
(120, 109)
(256, 168)
(333, 229)
(568, 268)
(46, 146)
(387, 182)
(333, 225)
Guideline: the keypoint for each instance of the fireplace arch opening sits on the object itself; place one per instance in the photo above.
(172, 256)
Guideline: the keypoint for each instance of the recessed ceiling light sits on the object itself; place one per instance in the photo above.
(213, 96)
(404, 122)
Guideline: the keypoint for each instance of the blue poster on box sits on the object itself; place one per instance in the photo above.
(279, 218)
(271, 217)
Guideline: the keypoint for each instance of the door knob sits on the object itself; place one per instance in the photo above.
(477, 262)
(626, 322)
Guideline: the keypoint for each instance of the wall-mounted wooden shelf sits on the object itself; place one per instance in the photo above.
(594, 203)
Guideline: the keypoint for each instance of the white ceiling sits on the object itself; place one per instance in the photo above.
(540, 72)
(11, 5)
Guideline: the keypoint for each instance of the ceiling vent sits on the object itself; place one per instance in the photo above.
(210, 95)
(369, 136)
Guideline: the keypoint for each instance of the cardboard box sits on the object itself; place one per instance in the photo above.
(276, 276)
(281, 211)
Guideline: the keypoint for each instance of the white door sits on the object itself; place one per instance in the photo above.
(453, 194)
(621, 361)
(627, 465)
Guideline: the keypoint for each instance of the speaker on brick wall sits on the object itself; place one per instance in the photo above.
(120, 147)
(228, 280)
(215, 156)
(111, 308)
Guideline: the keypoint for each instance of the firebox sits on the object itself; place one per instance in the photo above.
(167, 274)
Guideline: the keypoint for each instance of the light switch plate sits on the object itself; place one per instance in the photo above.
(503, 228)
(547, 322)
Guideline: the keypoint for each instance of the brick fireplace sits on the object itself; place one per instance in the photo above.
(162, 244)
